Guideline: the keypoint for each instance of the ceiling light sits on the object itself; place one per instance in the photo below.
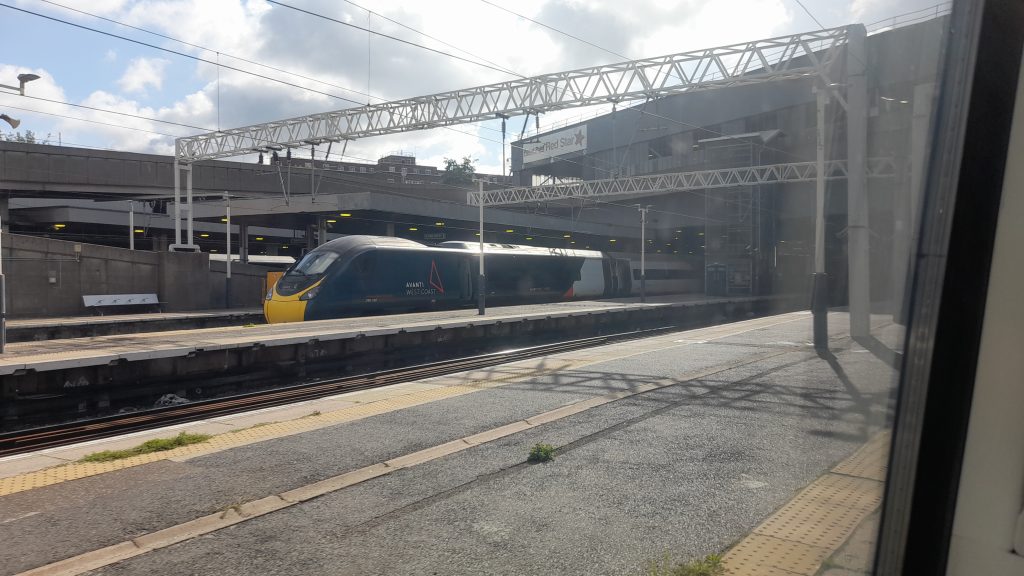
(59, 226)
(203, 235)
(413, 229)
(259, 238)
(141, 231)
(438, 223)
(567, 236)
(509, 231)
(345, 215)
(332, 221)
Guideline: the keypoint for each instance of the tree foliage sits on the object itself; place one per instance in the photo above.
(458, 173)
(29, 137)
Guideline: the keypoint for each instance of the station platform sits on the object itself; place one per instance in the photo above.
(736, 438)
(37, 329)
(78, 352)
(86, 374)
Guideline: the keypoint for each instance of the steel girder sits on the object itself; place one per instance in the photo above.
(679, 181)
(784, 57)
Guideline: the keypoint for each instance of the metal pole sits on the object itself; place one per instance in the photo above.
(856, 190)
(188, 186)
(177, 202)
(643, 252)
(481, 290)
(131, 225)
(819, 286)
(227, 236)
(3, 296)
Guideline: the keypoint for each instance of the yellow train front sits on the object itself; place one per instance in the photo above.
(365, 275)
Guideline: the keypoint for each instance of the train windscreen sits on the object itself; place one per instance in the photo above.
(307, 272)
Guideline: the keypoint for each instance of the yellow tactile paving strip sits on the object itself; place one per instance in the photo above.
(797, 538)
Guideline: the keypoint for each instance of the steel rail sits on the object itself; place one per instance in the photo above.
(52, 436)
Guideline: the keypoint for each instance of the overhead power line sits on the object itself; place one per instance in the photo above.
(119, 113)
(388, 36)
(7, 106)
(182, 54)
(436, 39)
(200, 47)
(193, 58)
(553, 29)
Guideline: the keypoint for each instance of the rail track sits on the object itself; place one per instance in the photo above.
(51, 436)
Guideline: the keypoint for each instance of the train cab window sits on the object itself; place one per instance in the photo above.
(314, 264)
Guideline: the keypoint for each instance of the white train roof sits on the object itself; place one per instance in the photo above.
(493, 247)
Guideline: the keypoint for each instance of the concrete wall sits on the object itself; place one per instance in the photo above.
(248, 285)
(47, 277)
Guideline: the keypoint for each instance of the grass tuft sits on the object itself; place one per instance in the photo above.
(541, 453)
(710, 565)
(154, 445)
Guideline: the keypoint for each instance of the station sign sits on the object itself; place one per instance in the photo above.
(555, 144)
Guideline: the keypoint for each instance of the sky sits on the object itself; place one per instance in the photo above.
(277, 62)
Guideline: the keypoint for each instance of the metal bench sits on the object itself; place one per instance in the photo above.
(100, 302)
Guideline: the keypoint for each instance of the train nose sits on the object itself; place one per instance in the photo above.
(279, 309)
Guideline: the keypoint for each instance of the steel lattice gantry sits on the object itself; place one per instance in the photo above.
(785, 57)
(679, 181)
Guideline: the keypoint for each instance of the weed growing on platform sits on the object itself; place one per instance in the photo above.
(155, 445)
(710, 565)
(541, 453)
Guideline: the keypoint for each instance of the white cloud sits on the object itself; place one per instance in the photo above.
(142, 73)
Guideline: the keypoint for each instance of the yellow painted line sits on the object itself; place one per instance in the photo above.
(236, 514)
(797, 538)
(261, 432)
(466, 383)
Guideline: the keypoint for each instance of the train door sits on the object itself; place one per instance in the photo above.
(611, 280)
(624, 277)
(467, 291)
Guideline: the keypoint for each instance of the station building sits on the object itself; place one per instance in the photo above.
(762, 236)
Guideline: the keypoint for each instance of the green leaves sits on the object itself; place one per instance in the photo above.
(456, 173)
(541, 453)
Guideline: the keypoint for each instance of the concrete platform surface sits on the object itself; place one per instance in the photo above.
(25, 323)
(103, 350)
(48, 329)
(682, 444)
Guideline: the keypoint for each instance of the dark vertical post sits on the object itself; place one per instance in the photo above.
(819, 287)
(482, 283)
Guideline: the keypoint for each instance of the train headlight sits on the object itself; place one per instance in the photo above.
(310, 294)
